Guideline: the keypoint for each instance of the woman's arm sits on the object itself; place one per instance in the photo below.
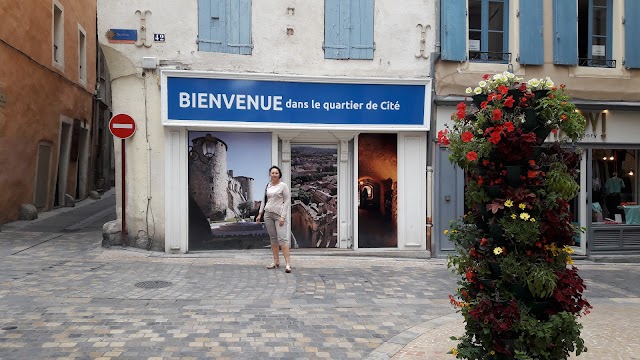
(286, 201)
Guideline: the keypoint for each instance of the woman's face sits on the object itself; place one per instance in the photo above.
(275, 174)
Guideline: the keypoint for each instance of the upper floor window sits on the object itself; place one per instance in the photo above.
(489, 31)
(348, 29)
(58, 35)
(82, 54)
(225, 26)
(595, 27)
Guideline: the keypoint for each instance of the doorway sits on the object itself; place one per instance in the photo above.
(63, 162)
(43, 173)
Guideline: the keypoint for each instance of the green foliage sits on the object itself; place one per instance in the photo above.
(541, 280)
(557, 111)
(560, 182)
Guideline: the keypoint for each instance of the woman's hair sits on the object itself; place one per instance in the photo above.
(277, 168)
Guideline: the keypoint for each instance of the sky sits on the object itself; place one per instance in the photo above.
(248, 154)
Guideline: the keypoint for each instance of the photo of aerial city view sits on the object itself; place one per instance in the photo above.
(314, 196)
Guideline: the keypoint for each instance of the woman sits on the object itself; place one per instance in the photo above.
(278, 201)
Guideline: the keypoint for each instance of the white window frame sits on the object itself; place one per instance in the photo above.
(57, 36)
(82, 55)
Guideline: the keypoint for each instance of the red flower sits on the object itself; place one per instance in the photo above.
(472, 156)
(483, 242)
(499, 97)
(532, 162)
(551, 96)
(503, 89)
(467, 136)
(491, 96)
(523, 87)
(485, 76)
(509, 126)
(532, 174)
(462, 106)
(485, 162)
(469, 275)
(509, 102)
(461, 114)
(442, 137)
(497, 114)
(495, 137)
(484, 104)
(480, 181)
(554, 131)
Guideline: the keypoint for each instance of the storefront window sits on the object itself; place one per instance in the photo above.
(614, 187)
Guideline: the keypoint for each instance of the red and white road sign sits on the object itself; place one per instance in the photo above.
(122, 126)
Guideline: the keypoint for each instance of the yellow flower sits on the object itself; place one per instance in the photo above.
(446, 232)
(532, 220)
(508, 203)
(569, 260)
(524, 216)
(513, 216)
(492, 352)
(568, 249)
(497, 251)
(453, 351)
(522, 206)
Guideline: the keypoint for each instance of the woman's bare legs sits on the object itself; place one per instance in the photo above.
(285, 252)
(276, 253)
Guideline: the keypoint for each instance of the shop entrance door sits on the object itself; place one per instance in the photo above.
(314, 195)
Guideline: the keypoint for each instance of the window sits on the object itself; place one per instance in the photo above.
(225, 26)
(348, 29)
(614, 186)
(488, 31)
(82, 54)
(58, 35)
(594, 29)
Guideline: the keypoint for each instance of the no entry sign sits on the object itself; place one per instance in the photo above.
(122, 126)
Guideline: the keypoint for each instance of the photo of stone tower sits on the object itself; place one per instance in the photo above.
(223, 202)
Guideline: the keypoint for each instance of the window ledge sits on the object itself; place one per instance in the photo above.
(58, 65)
(599, 72)
(472, 67)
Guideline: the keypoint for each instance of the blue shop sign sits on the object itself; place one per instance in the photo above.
(296, 102)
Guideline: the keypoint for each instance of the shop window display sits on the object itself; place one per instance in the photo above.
(614, 187)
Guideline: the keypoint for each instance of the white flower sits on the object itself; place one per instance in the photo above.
(504, 78)
(510, 75)
(482, 84)
(477, 90)
(533, 82)
(496, 76)
(549, 83)
(468, 90)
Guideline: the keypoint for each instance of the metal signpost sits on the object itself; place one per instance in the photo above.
(122, 126)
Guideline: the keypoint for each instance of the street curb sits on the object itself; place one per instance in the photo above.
(392, 346)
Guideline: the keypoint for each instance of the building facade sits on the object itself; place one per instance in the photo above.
(47, 105)
(589, 46)
(298, 85)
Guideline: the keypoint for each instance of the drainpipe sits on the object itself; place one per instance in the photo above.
(434, 57)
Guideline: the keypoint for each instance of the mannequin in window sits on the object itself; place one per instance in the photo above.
(613, 188)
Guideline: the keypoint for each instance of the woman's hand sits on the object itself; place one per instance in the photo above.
(281, 220)
(258, 217)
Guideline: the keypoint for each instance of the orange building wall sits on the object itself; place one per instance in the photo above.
(38, 93)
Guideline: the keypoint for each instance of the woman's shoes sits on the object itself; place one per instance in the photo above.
(273, 266)
(287, 268)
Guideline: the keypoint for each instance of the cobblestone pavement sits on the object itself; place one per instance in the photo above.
(62, 296)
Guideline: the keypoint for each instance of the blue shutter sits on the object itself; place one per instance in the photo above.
(361, 29)
(631, 30)
(531, 33)
(454, 29)
(565, 32)
(239, 27)
(336, 29)
(211, 25)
